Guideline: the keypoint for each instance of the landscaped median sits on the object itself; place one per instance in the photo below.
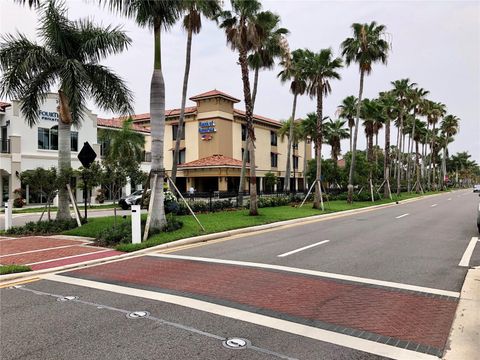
(223, 221)
(12, 269)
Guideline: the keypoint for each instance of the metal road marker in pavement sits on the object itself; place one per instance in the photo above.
(465, 261)
(401, 216)
(303, 248)
(229, 343)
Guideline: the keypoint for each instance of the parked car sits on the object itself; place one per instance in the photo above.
(476, 188)
(133, 199)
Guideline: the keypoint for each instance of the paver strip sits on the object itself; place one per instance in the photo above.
(18, 245)
(400, 318)
(48, 254)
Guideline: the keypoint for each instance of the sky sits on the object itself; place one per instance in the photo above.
(435, 44)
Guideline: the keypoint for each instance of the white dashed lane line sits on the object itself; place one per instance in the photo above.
(401, 216)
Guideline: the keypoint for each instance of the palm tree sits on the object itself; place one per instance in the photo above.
(401, 89)
(388, 105)
(320, 68)
(244, 34)
(335, 132)
(434, 111)
(347, 110)
(154, 14)
(293, 71)
(192, 23)
(31, 70)
(420, 134)
(293, 132)
(366, 47)
(449, 127)
(270, 45)
(416, 98)
(308, 130)
(125, 143)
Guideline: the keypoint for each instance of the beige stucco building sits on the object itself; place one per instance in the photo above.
(213, 143)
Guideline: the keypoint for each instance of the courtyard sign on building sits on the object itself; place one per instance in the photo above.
(48, 115)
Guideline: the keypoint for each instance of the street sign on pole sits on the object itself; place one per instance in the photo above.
(86, 156)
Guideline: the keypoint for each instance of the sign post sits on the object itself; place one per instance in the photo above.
(8, 215)
(136, 225)
(86, 156)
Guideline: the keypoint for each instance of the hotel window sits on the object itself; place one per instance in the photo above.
(248, 155)
(181, 157)
(48, 139)
(273, 160)
(244, 133)
(175, 130)
(74, 141)
(273, 138)
(295, 162)
(44, 139)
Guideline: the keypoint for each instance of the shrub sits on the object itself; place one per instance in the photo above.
(121, 233)
(43, 227)
(100, 198)
(18, 203)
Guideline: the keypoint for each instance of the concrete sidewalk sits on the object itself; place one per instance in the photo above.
(464, 341)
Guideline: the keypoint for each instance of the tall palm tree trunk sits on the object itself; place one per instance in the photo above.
(410, 150)
(318, 201)
(354, 148)
(176, 153)
(430, 163)
(289, 144)
(351, 129)
(396, 153)
(386, 161)
(255, 87)
(64, 165)
(241, 185)
(157, 113)
(399, 155)
(305, 164)
(417, 167)
(250, 131)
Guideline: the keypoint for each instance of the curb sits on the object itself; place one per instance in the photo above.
(463, 342)
(203, 238)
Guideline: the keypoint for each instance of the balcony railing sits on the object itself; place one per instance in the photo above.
(5, 146)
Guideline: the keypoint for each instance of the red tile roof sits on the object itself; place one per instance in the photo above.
(213, 161)
(258, 117)
(4, 105)
(117, 124)
(188, 110)
(214, 93)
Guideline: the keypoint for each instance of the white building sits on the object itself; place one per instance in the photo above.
(25, 148)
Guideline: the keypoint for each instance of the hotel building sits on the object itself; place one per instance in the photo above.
(211, 148)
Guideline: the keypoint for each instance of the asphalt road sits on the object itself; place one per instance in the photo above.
(422, 248)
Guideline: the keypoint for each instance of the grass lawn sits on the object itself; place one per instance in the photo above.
(10, 269)
(223, 221)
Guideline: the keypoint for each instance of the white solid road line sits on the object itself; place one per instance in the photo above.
(465, 261)
(253, 318)
(303, 248)
(316, 273)
(399, 217)
(433, 205)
